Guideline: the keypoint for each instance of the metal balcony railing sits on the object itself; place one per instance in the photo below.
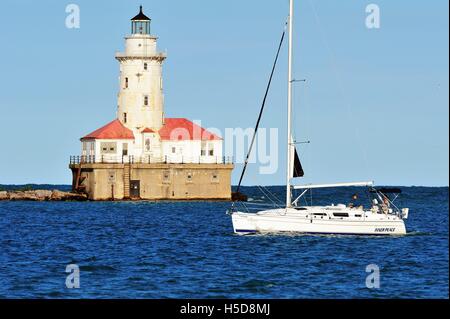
(131, 159)
(157, 55)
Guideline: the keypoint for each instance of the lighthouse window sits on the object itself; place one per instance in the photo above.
(126, 83)
(203, 151)
(108, 147)
(125, 117)
(147, 145)
(145, 66)
(166, 177)
(146, 100)
(340, 214)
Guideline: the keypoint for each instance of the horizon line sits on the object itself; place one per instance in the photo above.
(387, 185)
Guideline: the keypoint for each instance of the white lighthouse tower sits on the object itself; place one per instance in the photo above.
(141, 99)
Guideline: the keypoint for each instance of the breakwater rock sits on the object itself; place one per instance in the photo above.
(41, 196)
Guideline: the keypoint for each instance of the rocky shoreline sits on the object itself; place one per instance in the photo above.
(41, 196)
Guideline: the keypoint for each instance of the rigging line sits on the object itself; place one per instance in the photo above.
(245, 207)
(262, 109)
(265, 192)
(295, 89)
(339, 82)
(308, 120)
(277, 199)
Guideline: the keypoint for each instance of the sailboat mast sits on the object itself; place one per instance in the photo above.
(289, 120)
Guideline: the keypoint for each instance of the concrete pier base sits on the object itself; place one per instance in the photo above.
(103, 181)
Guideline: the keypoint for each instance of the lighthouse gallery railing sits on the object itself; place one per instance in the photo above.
(131, 159)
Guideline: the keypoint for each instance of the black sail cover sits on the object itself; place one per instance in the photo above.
(298, 169)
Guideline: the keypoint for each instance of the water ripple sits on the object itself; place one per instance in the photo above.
(188, 250)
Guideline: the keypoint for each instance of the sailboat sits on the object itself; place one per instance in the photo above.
(382, 218)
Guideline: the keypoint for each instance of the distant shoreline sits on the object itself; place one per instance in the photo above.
(41, 195)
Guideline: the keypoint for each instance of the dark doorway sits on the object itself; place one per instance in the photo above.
(125, 149)
(135, 189)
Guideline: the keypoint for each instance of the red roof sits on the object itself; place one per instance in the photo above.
(148, 130)
(112, 131)
(182, 129)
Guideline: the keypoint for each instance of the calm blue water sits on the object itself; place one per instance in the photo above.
(188, 250)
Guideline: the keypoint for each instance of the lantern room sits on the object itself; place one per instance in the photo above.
(140, 24)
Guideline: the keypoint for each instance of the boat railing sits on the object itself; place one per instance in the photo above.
(254, 207)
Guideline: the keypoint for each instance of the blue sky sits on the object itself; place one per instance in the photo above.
(375, 105)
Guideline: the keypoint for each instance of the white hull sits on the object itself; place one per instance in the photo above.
(318, 220)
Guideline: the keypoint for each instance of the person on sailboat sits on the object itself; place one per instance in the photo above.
(385, 205)
(353, 203)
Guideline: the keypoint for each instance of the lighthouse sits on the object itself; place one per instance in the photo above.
(141, 98)
(141, 154)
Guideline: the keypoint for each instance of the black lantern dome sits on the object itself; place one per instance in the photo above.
(140, 24)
